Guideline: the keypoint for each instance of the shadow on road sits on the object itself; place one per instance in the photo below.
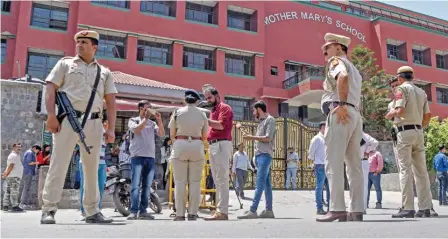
(410, 220)
(93, 224)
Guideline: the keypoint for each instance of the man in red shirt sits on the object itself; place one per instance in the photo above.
(220, 147)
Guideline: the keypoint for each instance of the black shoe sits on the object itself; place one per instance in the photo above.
(434, 213)
(98, 218)
(378, 205)
(423, 213)
(404, 214)
(48, 218)
(145, 216)
(17, 209)
(5, 208)
(192, 217)
(321, 211)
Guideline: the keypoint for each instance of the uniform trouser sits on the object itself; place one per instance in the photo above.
(25, 199)
(291, 178)
(411, 158)
(11, 194)
(342, 142)
(188, 164)
(241, 179)
(220, 154)
(365, 174)
(64, 143)
(102, 176)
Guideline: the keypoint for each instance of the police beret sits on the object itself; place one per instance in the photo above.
(331, 38)
(87, 34)
(393, 79)
(405, 69)
(193, 93)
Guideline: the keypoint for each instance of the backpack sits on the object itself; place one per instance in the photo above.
(129, 136)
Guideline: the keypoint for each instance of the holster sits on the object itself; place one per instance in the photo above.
(394, 135)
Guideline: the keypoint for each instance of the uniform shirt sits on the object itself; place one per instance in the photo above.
(335, 66)
(29, 157)
(189, 121)
(441, 162)
(317, 149)
(74, 77)
(376, 162)
(292, 164)
(144, 143)
(223, 113)
(240, 161)
(395, 120)
(414, 101)
(265, 128)
(17, 169)
(369, 145)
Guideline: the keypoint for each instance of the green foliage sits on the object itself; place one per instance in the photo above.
(375, 90)
(435, 134)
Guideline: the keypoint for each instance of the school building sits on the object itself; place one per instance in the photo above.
(249, 50)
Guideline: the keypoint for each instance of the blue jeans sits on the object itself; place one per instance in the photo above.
(291, 173)
(263, 182)
(319, 172)
(101, 183)
(142, 169)
(443, 186)
(376, 181)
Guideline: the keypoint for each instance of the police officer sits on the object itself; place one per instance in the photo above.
(188, 128)
(343, 130)
(412, 109)
(76, 76)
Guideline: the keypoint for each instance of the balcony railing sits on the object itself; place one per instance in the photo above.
(303, 75)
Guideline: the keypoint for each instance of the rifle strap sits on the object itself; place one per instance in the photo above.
(92, 96)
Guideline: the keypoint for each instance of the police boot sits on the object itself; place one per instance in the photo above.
(404, 214)
(48, 218)
(98, 218)
(434, 213)
(355, 216)
(423, 213)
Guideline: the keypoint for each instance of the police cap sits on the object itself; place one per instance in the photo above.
(405, 69)
(87, 34)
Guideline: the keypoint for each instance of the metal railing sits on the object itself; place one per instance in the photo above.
(303, 75)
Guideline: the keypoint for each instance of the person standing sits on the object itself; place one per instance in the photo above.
(291, 168)
(343, 130)
(220, 150)
(376, 164)
(411, 106)
(264, 149)
(317, 155)
(143, 151)
(368, 144)
(76, 76)
(240, 167)
(165, 152)
(29, 171)
(441, 166)
(188, 127)
(43, 158)
(13, 174)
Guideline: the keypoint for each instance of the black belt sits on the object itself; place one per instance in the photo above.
(408, 127)
(365, 159)
(216, 141)
(95, 115)
(326, 106)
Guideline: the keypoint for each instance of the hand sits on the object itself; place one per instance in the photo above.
(238, 126)
(110, 136)
(246, 136)
(389, 115)
(3, 175)
(158, 116)
(147, 113)
(53, 124)
(342, 114)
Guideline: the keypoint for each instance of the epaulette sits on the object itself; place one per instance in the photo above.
(67, 57)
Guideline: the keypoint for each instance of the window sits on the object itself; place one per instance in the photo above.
(274, 70)
(165, 8)
(392, 51)
(154, 52)
(241, 65)
(112, 46)
(442, 95)
(201, 13)
(421, 55)
(6, 6)
(330, 5)
(119, 4)
(396, 50)
(3, 51)
(442, 59)
(291, 70)
(418, 56)
(241, 108)
(49, 17)
(241, 18)
(427, 89)
(40, 64)
(199, 59)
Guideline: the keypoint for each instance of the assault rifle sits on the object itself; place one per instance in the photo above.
(65, 109)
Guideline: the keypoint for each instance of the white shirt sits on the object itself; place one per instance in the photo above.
(17, 169)
(295, 157)
(240, 161)
(370, 145)
(317, 149)
(165, 156)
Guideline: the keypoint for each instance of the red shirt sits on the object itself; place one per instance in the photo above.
(40, 159)
(224, 114)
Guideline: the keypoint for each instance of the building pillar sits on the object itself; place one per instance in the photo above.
(222, 14)
(259, 62)
(134, 6)
(131, 49)
(180, 10)
(220, 62)
(177, 54)
(409, 52)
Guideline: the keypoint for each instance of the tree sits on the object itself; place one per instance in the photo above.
(435, 134)
(375, 90)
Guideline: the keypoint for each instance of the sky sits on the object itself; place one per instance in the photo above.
(435, 8)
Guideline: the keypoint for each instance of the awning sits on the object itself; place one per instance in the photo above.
(7, 35)
(131, 105)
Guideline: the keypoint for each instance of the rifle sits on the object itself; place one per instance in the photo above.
(65, 109)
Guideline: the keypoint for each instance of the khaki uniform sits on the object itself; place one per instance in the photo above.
(342, 141)
(188, 156)
(410, 146)
(74, 77)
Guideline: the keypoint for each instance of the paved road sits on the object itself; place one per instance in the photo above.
(295, 212)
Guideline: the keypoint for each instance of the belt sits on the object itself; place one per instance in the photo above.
(216, 141)
(334, 104)
(365, 159)
(95, 115)
(188, 137)
(408, 127)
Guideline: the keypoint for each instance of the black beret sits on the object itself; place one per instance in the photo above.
(193, 93)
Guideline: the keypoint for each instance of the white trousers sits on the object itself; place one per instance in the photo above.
(365, 173)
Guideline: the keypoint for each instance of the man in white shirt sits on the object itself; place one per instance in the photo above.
(317, 154)
(240, 165)
(368, 144)
(291, 168)
(13, 174)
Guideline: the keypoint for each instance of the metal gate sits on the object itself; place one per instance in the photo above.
(290, 133)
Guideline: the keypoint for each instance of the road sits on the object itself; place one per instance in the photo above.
(295, 217)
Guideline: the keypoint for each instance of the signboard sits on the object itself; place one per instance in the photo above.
(309, 16)
(47, 136)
